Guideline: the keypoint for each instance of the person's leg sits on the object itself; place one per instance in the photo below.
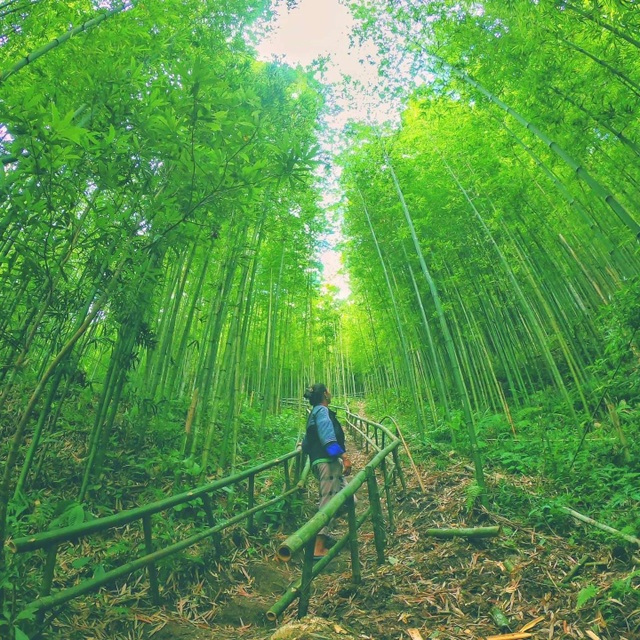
(329, 476)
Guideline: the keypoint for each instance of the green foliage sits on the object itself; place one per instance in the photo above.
(585, 595)
(626, 588)
(473, 492)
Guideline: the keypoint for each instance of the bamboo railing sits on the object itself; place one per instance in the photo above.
(369, 435)
(51, 540)
(385, 443)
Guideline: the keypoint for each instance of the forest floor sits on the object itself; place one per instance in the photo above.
(438, 589)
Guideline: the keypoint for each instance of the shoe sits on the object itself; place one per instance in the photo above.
(321, 547)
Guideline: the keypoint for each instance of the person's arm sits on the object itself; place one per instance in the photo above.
(327, 433)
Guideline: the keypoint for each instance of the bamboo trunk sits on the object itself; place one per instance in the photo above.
(477, 532)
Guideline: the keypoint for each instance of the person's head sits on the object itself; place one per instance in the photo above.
(317, 394)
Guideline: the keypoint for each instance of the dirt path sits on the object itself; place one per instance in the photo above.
(444, 589)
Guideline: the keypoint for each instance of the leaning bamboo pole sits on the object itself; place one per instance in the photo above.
(603, 527)
(56, 42)
(446, 333)
(598, 189)
(401, 333)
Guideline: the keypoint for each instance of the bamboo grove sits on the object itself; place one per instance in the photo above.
(157, 239)
(492, 236)
(160, 223)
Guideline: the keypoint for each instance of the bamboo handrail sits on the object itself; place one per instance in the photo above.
(303, 538)
(50, 540)
(363, 435)
(297, 540)
(293, 591)
(65, 534)
(49, 602)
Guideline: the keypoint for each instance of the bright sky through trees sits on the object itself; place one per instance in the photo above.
(321, 29)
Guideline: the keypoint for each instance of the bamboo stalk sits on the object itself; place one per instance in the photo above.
(59, 40)
(406, 448)
(477, 532)
(293, 591)
(65, 534)
(578, 169)
(377, 518)
(599, 525)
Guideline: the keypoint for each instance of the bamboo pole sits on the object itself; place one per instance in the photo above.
(477, 532)
(60, 40)
(49, 602)
(406, 448)
(578, 169)
(377, 518)
(293, 591)
(46, 539)
(599, 525)
(297, 540)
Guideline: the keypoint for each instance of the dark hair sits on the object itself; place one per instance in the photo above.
(315, 393)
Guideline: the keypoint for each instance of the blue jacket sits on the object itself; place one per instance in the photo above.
(324, 439)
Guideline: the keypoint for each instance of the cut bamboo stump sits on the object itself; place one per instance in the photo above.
(477, 532)
(576, 569)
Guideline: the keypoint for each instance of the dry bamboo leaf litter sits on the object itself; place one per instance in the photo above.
(442, 589)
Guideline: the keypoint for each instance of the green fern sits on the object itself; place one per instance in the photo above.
(586, 594)
(473, 492)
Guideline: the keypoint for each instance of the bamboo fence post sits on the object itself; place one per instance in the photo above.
(148, 545)
(297, 469)
(399, 473)
(377, 518)
(250, 502)
(287, 477)
(293, 591)
(211, 521)
(47, 577)
(208, 509)
(387, 493)
(307, 577)
(356, 570)
(367, 446)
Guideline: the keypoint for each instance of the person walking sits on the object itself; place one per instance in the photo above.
(324, 443)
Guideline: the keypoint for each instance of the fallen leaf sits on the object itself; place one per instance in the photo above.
(532, 624)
